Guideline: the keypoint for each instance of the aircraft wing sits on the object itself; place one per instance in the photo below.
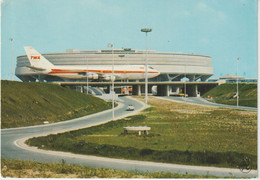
(36, 68)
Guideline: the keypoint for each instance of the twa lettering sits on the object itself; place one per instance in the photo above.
(35, 57)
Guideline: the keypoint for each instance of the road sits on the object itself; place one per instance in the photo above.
(12, 146)
(201, 101)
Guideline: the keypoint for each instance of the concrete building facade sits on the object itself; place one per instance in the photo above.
(172, 66)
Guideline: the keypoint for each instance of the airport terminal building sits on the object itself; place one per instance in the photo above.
(172, 66)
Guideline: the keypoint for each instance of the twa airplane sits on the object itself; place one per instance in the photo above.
(42, 66)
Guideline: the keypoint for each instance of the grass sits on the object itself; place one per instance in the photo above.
(31, 169)
(224, 94)
(25, 104)
(180, 133)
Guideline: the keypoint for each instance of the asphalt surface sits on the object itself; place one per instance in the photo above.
(12, 146)
(201, 101)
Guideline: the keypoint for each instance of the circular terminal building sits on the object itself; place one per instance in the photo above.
(172, 66)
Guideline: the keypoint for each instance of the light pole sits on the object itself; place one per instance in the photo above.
(12, 41)
(87, 74)
(121, 56)
(112, 79)
(127, 63)
(127, 49)
(237, 83)
(146, 30)
(185, 86)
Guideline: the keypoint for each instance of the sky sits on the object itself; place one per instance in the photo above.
(222, 29)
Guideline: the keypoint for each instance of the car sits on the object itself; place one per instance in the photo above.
(182, 95)
(130, 108)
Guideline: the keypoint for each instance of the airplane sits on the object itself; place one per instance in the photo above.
(42, 66)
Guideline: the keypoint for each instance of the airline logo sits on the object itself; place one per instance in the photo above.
(141, 67)
(35, 57)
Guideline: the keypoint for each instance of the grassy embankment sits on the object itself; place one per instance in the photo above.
(25, 104)
(224, 94)
(32, 169)
(180, 133)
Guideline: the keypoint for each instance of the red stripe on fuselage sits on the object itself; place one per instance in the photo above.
(95, 71)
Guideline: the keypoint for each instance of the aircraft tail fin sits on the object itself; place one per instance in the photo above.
(37, 60)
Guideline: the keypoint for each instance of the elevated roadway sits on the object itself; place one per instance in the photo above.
(163, 88)
(135, 83)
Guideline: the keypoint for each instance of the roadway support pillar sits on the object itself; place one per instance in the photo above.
(136, 90)
(82, 89)
(191, 90)
(107, 90)
(150, 89)
(197, 91)
(177, 90)
(163, 90)
(168, 90)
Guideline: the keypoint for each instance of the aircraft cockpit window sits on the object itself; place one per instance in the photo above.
(151, 67)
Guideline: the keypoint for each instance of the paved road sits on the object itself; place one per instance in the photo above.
(201, 101)
(9, 136)
(13, 147)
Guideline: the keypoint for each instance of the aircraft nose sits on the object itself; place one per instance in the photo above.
(155, 73)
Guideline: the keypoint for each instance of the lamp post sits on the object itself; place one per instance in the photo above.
(87, 74)
(146, 30)
(185, 86)
(12, 41)
(127, 63)
(112, 79)
(237, 83)
(121, 56)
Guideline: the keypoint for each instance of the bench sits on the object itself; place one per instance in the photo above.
(137, 128)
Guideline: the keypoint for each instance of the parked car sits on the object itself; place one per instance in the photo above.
(130, 108)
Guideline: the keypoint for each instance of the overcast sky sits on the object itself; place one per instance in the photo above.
(222, 29)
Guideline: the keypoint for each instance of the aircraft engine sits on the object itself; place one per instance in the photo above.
(108, 77)
(92, 75)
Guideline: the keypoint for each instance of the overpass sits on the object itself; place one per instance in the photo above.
(192, 88)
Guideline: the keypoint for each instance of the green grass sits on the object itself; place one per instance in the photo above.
(180, 133)
(224, 94)
(31, 169)
(25, 104)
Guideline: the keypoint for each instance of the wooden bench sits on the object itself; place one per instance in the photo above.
(137, 128)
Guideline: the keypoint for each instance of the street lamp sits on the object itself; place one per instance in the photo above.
(127, 63)
(185, 86)
(112, 79)
(146, 30)
(121, 56)
(87, 73)
(237, 82)
(12, 41)
(128, 50)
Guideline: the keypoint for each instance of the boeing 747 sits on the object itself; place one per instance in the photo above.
(42, 66)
